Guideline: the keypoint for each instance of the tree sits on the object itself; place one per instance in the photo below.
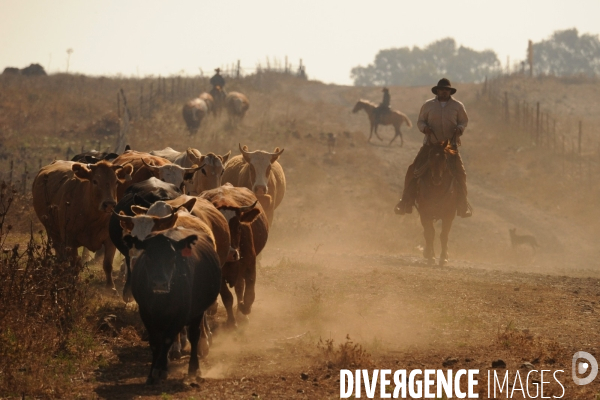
(403, 66)
(566, 53)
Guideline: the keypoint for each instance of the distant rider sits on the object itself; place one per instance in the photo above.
(441, 118)
(217, 79)
(383, 107)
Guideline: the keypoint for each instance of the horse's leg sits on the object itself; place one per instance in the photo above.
(429, 233)
(377, 134)
(398, 133)
(446, 226)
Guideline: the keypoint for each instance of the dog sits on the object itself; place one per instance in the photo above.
(516, 240)
(331, 139)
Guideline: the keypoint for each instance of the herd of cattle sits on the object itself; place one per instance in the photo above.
(189, 226)
(194, 111)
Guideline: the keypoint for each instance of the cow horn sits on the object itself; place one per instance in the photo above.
(153, 167)
(248, 208)
(194, 169)
(244, 149)
(122, 217)
(277, 152)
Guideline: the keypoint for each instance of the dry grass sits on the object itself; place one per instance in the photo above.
(45, 340)
(338, 262)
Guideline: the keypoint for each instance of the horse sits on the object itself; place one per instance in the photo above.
(218, 94)
(437, 197)
(392, 117)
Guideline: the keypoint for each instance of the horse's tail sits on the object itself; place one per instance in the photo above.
(407, 120)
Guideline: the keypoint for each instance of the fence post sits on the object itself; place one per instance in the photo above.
(237, 73)
(150, 101)
(506, 114)
(537, 124)
(118, 105)
(10, 177)
(579, 140)
(141, 114)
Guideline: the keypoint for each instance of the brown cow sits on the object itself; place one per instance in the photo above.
(198, 208)
(260, 172)
(210, 174)
(236, 105)
(249, 231)
(74, 202)
(146, 165)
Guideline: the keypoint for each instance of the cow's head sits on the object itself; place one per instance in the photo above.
(210, 173)
(260, 167)
(236, 217)
(159, 258)
(104, 178)
(173, 173)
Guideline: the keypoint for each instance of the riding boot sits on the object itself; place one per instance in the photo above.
(407, 201)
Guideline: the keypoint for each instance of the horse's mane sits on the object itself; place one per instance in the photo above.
(367, 102)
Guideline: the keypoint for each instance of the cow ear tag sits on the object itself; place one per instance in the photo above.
(186, 252)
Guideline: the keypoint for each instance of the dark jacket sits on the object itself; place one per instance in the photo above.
(217, 80)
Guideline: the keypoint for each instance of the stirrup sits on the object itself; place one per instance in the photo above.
(468, 212)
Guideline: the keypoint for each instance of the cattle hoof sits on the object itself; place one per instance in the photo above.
(175, 355)
(431, 261)
(443, 262)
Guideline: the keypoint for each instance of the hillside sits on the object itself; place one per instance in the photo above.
(338, 260)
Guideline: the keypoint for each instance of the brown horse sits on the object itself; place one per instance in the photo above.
(392, 117)
(437, 197)
(218, 95)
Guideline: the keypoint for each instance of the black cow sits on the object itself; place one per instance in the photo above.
(93, 157)
(144, 194)
(176, 279)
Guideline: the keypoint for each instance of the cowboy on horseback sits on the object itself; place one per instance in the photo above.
(441, 118)
(383, 107)
(217, 79)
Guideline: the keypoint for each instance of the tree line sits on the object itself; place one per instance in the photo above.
(564, 53)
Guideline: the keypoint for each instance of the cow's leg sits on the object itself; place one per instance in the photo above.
(429, 234)
(165, 341)
(204, 337)
(227, 298)
(250, 280)
(446, 226)
(155, 343)
(127, 295)
(109, 255)
(240, 287)
(194, 336)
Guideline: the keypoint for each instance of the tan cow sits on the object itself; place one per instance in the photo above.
(201, 209)
(260, 172)
(236, 105)
(74, 202)
(210, 174)
(210, 102)
(146, 165)
(193, 113)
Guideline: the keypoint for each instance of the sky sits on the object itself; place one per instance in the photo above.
(150, 37)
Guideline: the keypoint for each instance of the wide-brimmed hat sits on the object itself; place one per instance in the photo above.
(443, 83)
(385, 89)
(217, 70)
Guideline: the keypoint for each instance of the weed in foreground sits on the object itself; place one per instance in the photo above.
(346, 355)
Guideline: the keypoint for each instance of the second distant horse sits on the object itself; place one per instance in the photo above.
(392, 117)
